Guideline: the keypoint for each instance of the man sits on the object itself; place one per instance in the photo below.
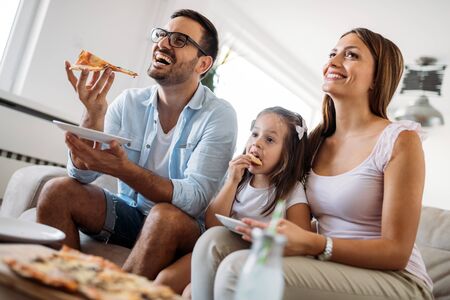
(182, 139)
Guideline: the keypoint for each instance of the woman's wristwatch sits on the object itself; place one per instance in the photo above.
(326, 254)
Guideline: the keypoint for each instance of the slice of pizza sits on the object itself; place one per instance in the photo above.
(111, 284)
(91, 276)
(43, 270)
(74, 255)
(88, 61)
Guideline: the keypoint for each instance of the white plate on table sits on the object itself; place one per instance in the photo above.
(91, 134)
(16, 230)
(231, 223)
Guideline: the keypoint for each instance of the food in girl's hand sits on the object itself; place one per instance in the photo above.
(255, 160)
(91, 62)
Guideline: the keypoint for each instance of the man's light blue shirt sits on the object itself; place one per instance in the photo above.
(202, 145)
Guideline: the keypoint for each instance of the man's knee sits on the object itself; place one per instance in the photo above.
(166, 276)
(54, 193)
(165, 210)
(173, 224)
(164, 214)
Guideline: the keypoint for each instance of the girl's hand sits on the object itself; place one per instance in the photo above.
(237, 166)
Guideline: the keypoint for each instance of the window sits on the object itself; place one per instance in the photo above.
(7, 16)
(250, 90)
(19, 40)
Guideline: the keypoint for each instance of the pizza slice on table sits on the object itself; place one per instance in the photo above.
(90, 276)
(88, 61)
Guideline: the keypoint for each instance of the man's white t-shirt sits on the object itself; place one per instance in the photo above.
(250, 201)
(158, 160)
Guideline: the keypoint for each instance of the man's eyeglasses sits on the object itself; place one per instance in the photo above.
(176, 39)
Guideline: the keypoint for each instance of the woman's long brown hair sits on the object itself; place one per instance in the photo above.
(387, 74)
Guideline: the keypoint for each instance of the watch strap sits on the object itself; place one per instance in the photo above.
(328, 251)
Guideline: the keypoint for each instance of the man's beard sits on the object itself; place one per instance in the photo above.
(177, 74)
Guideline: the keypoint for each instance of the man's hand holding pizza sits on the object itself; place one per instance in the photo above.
(92, 95)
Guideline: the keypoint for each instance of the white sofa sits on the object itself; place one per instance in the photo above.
(25, 185)
(21, 195)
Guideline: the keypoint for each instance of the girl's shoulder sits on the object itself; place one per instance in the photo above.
(297, 195)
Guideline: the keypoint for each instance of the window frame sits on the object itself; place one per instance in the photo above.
(21, 44)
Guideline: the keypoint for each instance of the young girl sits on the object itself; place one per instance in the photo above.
(252, 187)
(278, 140)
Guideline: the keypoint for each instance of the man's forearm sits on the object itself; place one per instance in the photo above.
(151, 186)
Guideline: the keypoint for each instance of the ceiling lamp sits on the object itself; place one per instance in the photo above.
(425, 77)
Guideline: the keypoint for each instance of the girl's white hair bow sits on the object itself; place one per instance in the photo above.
(301, 130)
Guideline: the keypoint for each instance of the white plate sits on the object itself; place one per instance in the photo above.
(91, 134)
(16, 230)
(231, 223)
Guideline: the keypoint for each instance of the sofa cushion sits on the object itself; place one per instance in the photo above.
(434, 228)
(433, 240)
(437, 262)
(26, 184)
(114, 253)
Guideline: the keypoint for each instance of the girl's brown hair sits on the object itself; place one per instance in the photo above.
(292, 166)
(388, 71)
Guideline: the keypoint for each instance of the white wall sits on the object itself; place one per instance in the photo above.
(27, 135)
(437, 154)
(437, 158)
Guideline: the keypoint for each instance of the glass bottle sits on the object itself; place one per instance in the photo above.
(262, 275)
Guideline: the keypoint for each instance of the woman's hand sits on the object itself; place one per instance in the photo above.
(247, 231)
(298, 240)
(237, 166)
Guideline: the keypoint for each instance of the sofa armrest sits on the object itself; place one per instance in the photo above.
(24, 187)
(434, 228)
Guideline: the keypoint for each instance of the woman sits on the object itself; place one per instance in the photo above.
(365, 189)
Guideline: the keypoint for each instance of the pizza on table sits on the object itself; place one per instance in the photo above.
(91, 276)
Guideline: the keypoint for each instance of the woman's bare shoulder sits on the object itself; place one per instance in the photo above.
(407, 141)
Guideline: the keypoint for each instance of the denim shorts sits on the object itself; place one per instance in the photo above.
(123, 222)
